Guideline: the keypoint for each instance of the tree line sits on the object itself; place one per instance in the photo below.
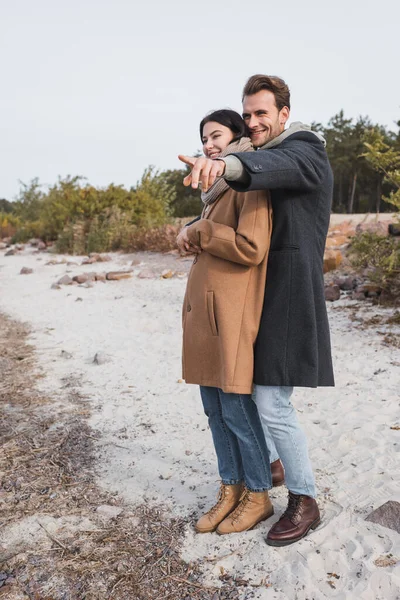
(108, 217)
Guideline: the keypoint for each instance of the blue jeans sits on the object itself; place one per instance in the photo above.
(238, 437)
(284, 435)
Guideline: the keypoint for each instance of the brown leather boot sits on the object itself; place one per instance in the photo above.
(301, 515)
(228, 499)
(278, 473)
(253, 508)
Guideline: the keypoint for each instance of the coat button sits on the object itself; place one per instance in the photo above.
(189, 308)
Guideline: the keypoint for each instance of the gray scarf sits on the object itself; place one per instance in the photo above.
(294, 128)
(220, 186)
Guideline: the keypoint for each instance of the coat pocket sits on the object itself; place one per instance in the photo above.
(211, 313)
(285, 249)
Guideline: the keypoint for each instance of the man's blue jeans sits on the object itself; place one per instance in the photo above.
(238, 438)
(284, 437)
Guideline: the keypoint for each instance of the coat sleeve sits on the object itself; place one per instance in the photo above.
(296, 165)
(246, 245)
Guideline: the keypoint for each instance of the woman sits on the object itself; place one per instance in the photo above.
(221, 316)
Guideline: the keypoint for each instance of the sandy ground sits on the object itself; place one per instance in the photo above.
(155, 445)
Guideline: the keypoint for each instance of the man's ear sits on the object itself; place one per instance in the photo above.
(284, 115)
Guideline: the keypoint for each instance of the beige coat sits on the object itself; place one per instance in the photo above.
(225, 291)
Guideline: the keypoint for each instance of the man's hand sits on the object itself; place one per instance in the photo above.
(205, 170)
(184, 245)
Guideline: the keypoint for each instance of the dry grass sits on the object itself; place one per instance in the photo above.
(46, 469)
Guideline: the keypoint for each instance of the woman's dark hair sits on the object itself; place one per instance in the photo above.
(229, 118)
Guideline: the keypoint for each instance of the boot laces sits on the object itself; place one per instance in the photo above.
(223, 492)
(243, 502)
(293, 506)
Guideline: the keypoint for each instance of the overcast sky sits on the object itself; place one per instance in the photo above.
(105, 88)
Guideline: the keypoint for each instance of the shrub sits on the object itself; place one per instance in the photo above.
(381, 256)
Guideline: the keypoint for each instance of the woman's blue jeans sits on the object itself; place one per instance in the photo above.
(284, 436)
(238, 437)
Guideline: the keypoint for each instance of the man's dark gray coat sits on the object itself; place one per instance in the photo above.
(293, 345)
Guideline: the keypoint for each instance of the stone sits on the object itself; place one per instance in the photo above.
(100, 358)
(332, 260)
(109, 512)
(84, 277)
(26, 271)
(3, 246)
(81, 278)
(65, 280)
(387, 515)
(11, 252)
(332, 292)
(146, 274)
(65, 354)
(346, 283)
(167, 274)
(100, 277)
(374, 227)
(369, 289)
(87, 284)
(41, 245)
(337, 241)
(55, 286)
(357, 295)
(104, 258)
(394, 229)
(88, 261)
(117, 275)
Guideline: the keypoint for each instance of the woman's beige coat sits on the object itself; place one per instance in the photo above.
(225, 291)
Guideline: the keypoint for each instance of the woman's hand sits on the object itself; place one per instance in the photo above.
(184, 245)
(205, 170)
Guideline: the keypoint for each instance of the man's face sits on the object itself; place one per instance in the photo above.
(264, 120)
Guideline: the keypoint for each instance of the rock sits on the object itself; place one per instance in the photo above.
(87, 284)
(332, 260)
(346, 283)
(369, 289)
(357, 295)
(373, 227)
(117, 275)
(135, 262)
(65, 280)
(65, 354)
(3, 246)
(332, 292)
(109, 512)
(19, 247)
(167, 274)
(337, 241)
(55, 286)
(146, 274)
(41, 245)
(387, 515)
(79, 299)
(88, 261)
(394, 229)
(100, 277)
(11, 252)
(100, 358)
(26, 271)
(84, 277)
(104, 258)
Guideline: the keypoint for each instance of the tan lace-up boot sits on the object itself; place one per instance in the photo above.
(228, 499)
(253, 508)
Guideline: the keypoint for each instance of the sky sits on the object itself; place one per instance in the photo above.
(104, 89)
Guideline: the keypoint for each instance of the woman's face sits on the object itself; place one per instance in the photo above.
(216, 137)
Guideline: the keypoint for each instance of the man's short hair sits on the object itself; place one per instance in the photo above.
(273, 84)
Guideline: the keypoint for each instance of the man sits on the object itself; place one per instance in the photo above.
(293, 344)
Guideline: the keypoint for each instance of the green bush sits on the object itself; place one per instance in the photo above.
(381, 256)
